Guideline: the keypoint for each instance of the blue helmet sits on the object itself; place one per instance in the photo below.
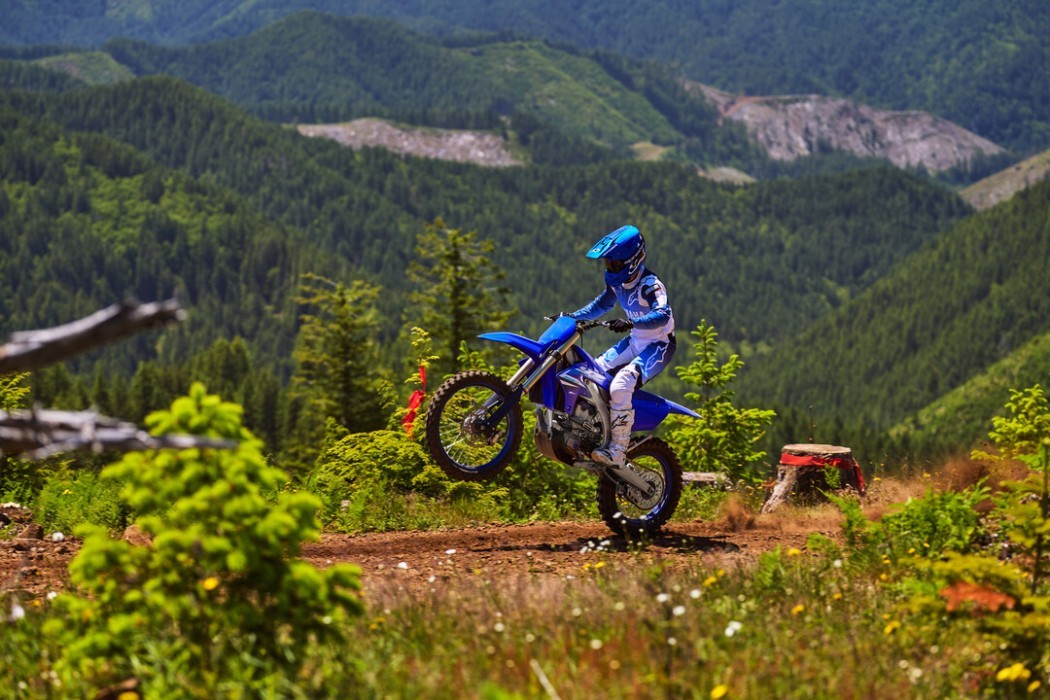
(623, 251)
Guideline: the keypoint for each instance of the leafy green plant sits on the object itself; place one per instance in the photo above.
(218, 599)
(73, 498)
(1025, 435)
(724, 438)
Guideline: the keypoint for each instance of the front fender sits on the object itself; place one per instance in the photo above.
(533, 350)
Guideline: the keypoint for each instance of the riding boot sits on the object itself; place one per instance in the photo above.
(615, 452)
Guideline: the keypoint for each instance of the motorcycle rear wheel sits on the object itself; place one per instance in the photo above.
(464, 448)
(660, 463)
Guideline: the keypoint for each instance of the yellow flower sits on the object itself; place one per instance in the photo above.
(891, 627)
(719, 691)
(794, 552)
(128, 695)
(911, 550)
(710, 581)
(210, 583)
(798, 609)
(1017, 672)
(884, 577)
(837, 596)
(1034, 686)
(599, 565)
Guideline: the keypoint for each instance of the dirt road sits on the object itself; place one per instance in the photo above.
(35, 567)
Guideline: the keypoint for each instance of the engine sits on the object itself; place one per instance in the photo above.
(566, 437)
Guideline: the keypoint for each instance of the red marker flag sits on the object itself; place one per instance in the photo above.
(415, 401)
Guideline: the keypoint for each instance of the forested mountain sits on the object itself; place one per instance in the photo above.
(86, 221)
(979, 64)
(759, 262)
(314, 68)
(941, 318)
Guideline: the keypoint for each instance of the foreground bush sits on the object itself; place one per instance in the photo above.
(218, 603)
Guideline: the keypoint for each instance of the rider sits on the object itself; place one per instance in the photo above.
(651, 344)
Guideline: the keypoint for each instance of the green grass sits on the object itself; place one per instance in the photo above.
(91, 67)
(789, 625)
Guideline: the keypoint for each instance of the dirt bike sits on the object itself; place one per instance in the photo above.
(474, 426)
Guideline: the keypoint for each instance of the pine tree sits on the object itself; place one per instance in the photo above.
(458, 291)
(337, 357)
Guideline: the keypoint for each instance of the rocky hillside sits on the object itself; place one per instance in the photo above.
(790, 126)
(1005, 184)
(478, 147)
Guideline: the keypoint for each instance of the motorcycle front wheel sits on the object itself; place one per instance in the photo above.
(456, 434)
(629, 512)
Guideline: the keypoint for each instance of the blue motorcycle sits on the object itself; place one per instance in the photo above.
(474, 426)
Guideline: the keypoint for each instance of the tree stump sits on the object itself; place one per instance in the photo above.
(808, 472)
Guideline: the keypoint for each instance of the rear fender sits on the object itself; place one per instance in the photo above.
(650, 410)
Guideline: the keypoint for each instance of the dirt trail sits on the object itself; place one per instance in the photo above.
(35, 567)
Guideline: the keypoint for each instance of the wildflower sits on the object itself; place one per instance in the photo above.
(695, 593)
(17, 612)
(614, 664)
(1017, 672)
(679, 610)
(596, 644)
(710, 581)
(599, 565)
(794, 552)
(719, 691)
(618, 606)
(798, 609)
(1034, 686)
(884, 577)
(911, 550)
(837, 596)
(837, 563)
(662, 598)
(576, 612)
(128, 695)
(733, 627)
(57, 537)
(671, 641)
(51, 595)
(210, 583)
(892, 627)
(499, 627)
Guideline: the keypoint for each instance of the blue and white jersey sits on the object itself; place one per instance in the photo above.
(643, 301)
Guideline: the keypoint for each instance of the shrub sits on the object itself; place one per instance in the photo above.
(219, 602)
(70, 499)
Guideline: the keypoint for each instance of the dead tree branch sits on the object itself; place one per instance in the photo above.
(28, 350)
(38, 434)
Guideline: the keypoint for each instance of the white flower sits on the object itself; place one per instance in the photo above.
(695, 593)
(733, 627)
(17, 612)
(837, 563)
(57, 537)
(51, 595)
(679, 610)
(662, 598)
(499, 627)
(596, 644)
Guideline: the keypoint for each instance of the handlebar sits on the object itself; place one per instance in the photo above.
(580, 325)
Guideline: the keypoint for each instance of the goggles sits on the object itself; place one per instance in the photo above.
(614, 265)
